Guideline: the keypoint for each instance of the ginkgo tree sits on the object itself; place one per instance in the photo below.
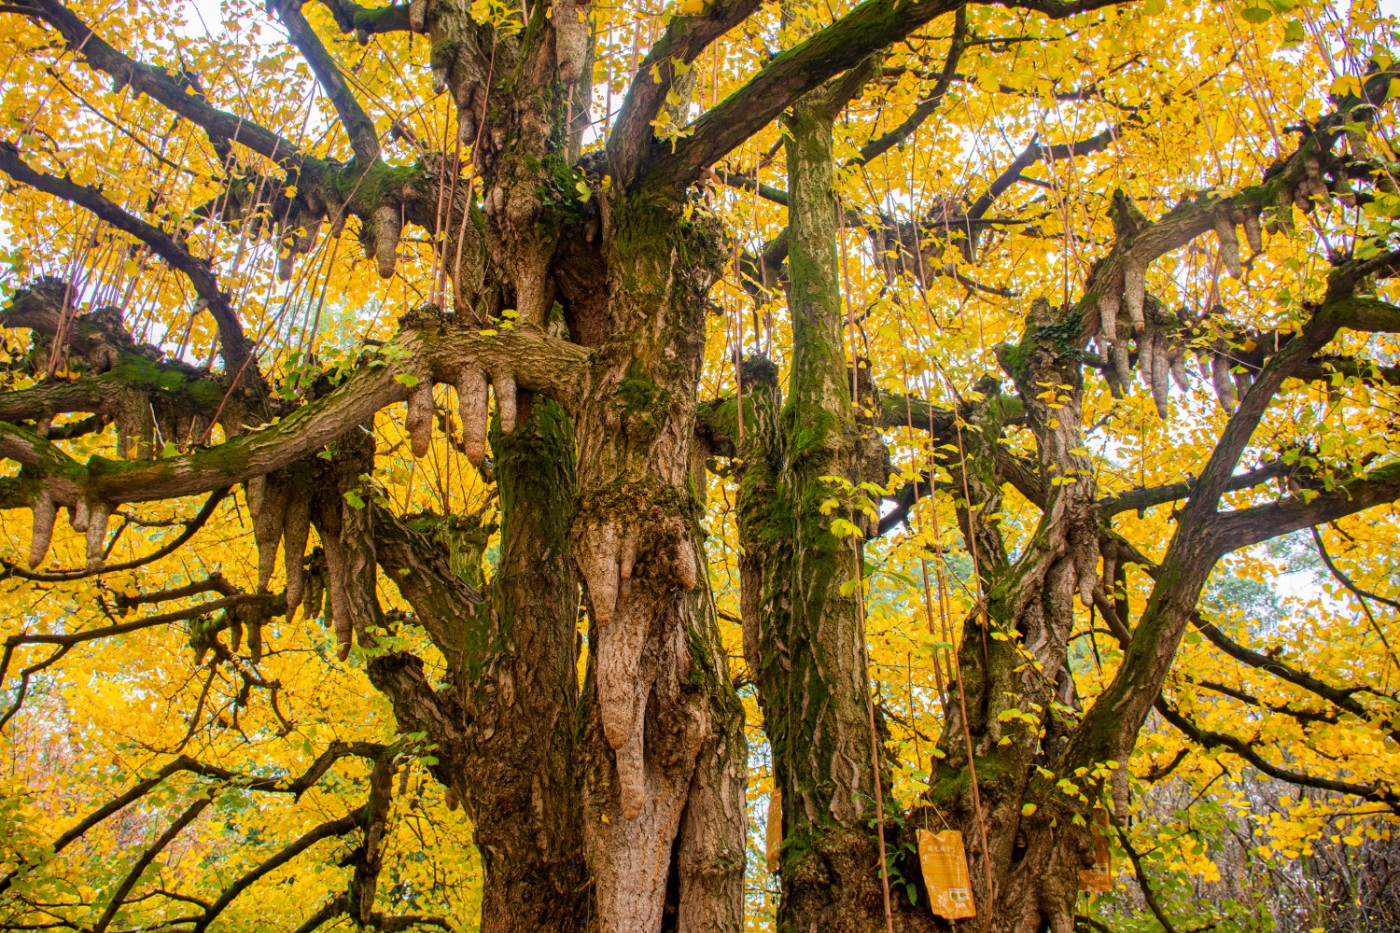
(447, 443)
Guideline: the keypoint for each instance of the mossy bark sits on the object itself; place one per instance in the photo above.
(805, 638)
(663, 730)
(504, 722)
(521, 789)
(803, 625)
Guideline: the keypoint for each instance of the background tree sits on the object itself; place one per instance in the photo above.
(623, 377)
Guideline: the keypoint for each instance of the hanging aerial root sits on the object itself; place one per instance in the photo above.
(313, 602)
(1220, 379)
(341, 619)
(386, 238)
(296, 529)
(1253, 234)
(1109, 302)
(1134, 287)
(1147, 356)
(267, 500)
(1110, 568)
(503, 386)
(1229, 245)
(1122, 362)
(45, 512)
(621, 692)
(1177, 362)
(1086, 574)
(607, 560)
(600, 561)
(255, 641)
(1312, 190)
(418, 15)
(622, 699)
(98, 515)
(471, 399)
(78, 515)
(1161, 373)
(419, 422)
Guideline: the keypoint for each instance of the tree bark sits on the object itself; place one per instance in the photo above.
(503, 724)
(663, 735)
(804, 629)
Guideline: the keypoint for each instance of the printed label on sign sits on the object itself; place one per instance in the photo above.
(944, 865)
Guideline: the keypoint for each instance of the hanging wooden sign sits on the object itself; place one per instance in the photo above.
(944, 864)
(1100, 877)
(775, 830)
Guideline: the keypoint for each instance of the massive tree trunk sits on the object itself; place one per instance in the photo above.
(502, 724)
(664, 730)
(521, 787)
(804, 628)
(805, 637)
(1012, 698)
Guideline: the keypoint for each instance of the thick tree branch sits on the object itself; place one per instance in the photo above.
(360, 128)
(156, 83)
(1243, 527)
(1271, 663)
(1345, 580)
(184, 763)
(351, 17)
(1242, 749)
(1033, 153)
(144, 862)
(537, 361)
(1146, 498)
(191, 528)
(135, 625)
(789, 75)
(236, 348)
(329, 830)
(929, 105)
(444, 603)
(684, 39)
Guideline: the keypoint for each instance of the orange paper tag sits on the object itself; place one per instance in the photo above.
(775, 830)
(1100, 877)
(944, 864)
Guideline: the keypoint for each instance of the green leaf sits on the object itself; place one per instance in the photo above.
(354, 500)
